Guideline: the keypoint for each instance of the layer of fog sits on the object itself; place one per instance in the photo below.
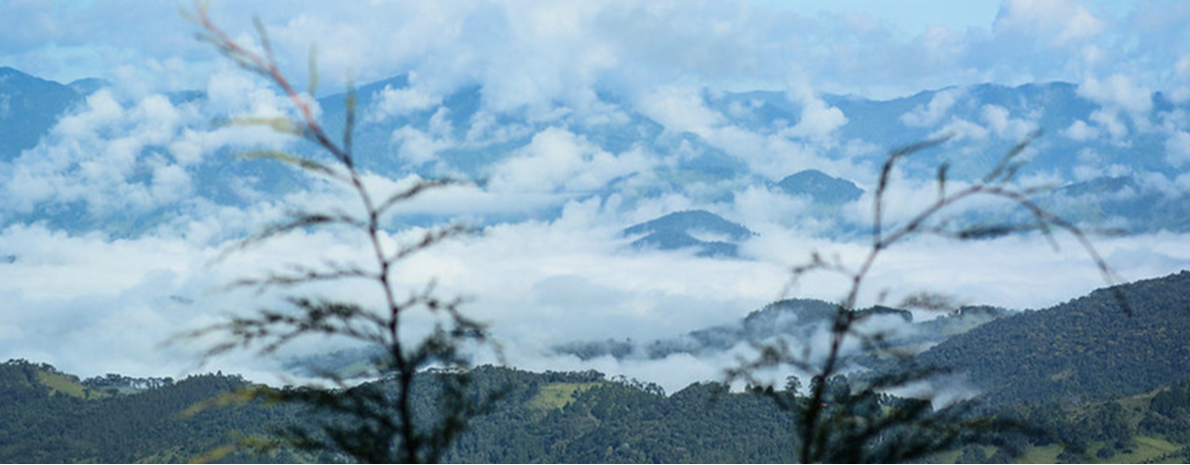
(90, 305)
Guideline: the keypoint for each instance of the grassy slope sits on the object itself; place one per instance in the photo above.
(65, 385)
(556, 395)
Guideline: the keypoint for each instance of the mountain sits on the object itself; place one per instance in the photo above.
(53, 417)
(1085, 348)
(796, 320)
(88, 86)
(709, 234)
(555, 417)
(820, 187)
(29, 107)
(403, 130)
(1121, 202)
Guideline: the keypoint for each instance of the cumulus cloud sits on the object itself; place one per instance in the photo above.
(1063, 21)
(1118, 91)
(1177, 149)
(1080, 131)
(1004, 126)
(818, 120)
(538, 55)
(400, 102)
(932, 112)
(557, 159)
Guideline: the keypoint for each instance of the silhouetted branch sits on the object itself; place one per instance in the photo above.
(835, 433)
(382, 425)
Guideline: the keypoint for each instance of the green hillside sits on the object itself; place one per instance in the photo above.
(1085, 348)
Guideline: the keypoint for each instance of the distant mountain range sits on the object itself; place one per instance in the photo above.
(1087, 348)
(796, 320)
(1113, 168)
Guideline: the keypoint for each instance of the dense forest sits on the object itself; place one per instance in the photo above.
(1087, 348)
(576, 417)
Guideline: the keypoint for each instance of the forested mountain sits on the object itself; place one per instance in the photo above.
(1085, 348)
(50, 416)
(548, 417)
(555, 417)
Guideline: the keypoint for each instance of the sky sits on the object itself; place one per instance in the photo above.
(871, 47)
(92, 304)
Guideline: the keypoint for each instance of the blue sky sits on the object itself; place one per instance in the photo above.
(868, 47)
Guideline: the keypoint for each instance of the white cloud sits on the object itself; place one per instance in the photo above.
(681, 109)
(1110, 121)
(1177, 149)
(960, 129)
(418, 147)
(1062, 21)
(401, 102)
(557, 159)
(818, 120)
(573, 275)
(932, 112)
(1005, 126)
(1119, 91)
(1080, 131)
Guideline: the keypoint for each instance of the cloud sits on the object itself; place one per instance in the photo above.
(818, 120)
(932, 112)
(557, 159)
(400, 102)
(1118, 92)
(681, 109)
(123, 152)
(1063, 21)
(1080, 131)
(70, 300)
(1005, 126)
(419, 147)
(534, 56)
(1177, 149)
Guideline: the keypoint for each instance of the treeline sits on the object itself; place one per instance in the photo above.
(571, 417)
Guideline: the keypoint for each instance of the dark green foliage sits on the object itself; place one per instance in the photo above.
(1169, 414)
(1085, 348)
(40, 425)
(609, 421)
